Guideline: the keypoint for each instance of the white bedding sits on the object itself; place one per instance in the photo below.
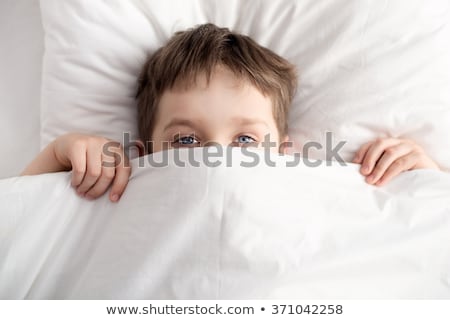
(228, 232)
(367, 69)
(21, 51)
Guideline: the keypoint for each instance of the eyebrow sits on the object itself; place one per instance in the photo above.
(242, 121)
(249, 121)
(179, 122)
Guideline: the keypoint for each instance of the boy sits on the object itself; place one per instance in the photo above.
(208, 84)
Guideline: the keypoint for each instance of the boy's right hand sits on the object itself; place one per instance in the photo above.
(96, 164)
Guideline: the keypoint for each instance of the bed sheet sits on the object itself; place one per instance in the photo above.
(203, 232)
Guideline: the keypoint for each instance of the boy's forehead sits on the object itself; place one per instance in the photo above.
(223, 88)
(201, 79)
(224, 95)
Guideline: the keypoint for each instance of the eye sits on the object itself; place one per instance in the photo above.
(185, 140)
(244, 139)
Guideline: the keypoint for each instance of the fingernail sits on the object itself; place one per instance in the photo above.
(89, 197)
(114, 198)
(369, 179)
(365, 169)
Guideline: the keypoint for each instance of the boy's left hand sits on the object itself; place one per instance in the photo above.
(385, 158)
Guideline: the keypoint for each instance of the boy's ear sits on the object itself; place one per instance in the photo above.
(285, 144)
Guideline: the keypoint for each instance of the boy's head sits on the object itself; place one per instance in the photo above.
(209, 84)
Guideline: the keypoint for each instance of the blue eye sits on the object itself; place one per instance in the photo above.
(245, 139)
(186, 140)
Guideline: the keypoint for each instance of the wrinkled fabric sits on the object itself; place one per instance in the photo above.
(228, 232)
(367, 69)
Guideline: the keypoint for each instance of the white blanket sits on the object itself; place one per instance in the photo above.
(228, 232)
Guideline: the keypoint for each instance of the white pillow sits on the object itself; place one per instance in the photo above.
(21, 50)
(367, 68)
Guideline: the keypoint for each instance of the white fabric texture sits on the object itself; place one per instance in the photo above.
(228, 232)
(21, 51)
(367, 69)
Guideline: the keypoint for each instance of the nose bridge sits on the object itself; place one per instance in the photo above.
(216, 130)
(217, 138)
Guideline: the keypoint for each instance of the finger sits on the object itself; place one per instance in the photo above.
(359, 155)
(374, 153)
(401, 164)
(93, 168)
(389, 156)
(104, 181)
(123, 172)
(78, 161)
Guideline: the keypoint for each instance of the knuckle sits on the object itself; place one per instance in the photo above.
(399, 162)
(418, 157)
(78, 144)
(390, 151)
(112, 145)
(78, 171)
(418, 154)
(108, 174)
(408, 141)
(412, 144)
(94, 172)
(91, 140)
(108, 163)
(418, 149)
